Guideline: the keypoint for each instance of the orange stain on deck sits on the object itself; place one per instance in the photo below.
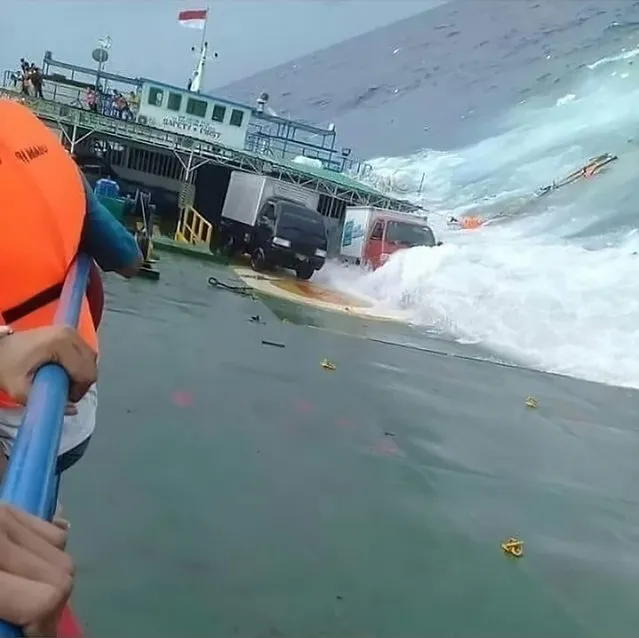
(313, 291)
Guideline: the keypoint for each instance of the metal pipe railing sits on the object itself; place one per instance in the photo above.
(30, 476)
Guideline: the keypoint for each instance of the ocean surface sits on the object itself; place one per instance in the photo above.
(470, 107)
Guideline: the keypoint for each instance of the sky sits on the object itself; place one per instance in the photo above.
(248, 35)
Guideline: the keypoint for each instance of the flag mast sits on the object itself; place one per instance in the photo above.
(198, 73)
(206, 22)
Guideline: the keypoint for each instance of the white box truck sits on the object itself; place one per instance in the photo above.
(276, 223)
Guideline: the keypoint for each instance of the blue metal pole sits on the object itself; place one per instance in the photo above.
(30, 475)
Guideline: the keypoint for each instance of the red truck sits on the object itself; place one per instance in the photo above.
(371, 235)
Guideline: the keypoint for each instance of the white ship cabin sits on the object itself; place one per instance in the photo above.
(191, 114)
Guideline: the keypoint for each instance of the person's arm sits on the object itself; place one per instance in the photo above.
(106, 240)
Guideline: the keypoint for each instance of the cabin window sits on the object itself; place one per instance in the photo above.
(196, 107)
(219, 112)
(378, 230)
(175, 102)
(236, 117)
(156, 96)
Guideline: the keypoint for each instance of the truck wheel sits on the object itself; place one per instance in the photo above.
(258, 260)
(304, 271)
(228, 244)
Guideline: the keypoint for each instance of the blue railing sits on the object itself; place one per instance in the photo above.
(30, 481)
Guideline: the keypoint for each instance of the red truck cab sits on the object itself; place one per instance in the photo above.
(371, 235)
(388, 234)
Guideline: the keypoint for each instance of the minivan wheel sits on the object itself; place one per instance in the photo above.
(258, 260)
(304, 271)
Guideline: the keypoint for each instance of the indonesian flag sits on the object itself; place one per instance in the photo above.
(194, 18)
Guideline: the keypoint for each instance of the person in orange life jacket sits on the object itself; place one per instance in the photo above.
(114, 249)
(102, 237)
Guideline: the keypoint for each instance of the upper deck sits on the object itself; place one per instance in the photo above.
(294, 151)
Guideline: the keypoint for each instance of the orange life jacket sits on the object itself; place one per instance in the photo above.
(42, 211)
(470, 223)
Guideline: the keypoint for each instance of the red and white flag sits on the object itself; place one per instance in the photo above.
(194, 18)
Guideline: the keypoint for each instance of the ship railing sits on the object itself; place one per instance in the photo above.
(192, 228)
(259, 140)
(64, 103)
(126, 129)
(10, 80)
(53, 91)
(63, 92)
(265, 144)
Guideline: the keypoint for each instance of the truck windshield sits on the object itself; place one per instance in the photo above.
(297, 219)
(408, 235)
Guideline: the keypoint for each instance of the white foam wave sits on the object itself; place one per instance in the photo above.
(527, 288)
(557, 307)
(566, 99)
(623, 56)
